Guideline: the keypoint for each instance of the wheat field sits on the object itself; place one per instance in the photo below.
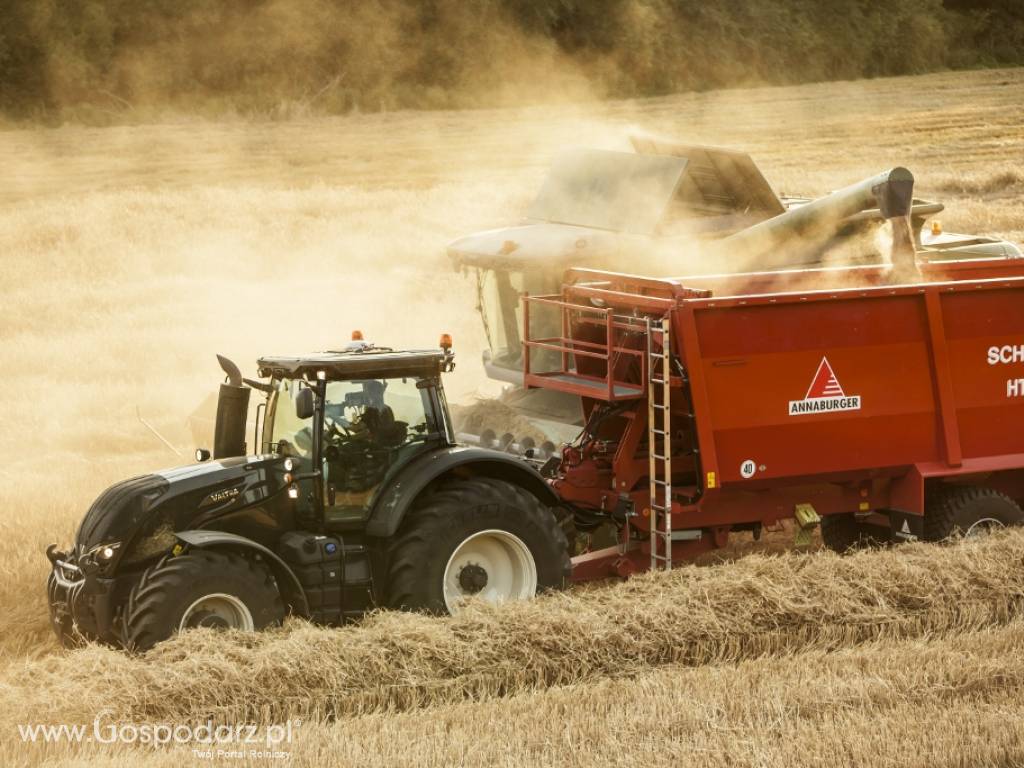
(132, 254)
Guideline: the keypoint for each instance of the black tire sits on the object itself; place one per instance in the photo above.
(159, 600)
(566, 521)
(952, 511)
(841, 533)
(445, 518)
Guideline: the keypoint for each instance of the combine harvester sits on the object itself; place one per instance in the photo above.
(711, 404)
(670, 209)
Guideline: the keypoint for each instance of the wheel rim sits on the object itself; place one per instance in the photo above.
(492, 565)
(983, 527)
(219, 611)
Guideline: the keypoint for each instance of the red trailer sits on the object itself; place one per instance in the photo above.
(728, 403)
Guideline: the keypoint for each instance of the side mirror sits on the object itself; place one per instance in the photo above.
(304, 404)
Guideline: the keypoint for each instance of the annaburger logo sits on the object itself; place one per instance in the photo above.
(825, 395)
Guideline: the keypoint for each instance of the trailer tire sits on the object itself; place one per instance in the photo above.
(520, 548)
(841, 533)
(959, 511)
(174, 589)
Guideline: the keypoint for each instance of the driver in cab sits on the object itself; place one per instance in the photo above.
(360, 433)
(370, 419)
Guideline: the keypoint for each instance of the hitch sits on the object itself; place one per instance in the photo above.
(807, 519)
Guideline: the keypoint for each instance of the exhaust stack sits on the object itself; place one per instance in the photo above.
(232, 412)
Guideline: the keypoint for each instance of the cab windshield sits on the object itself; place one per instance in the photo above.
(386, 413)
(498, 293)
(369, 426)
(285, 431)
(499, 297)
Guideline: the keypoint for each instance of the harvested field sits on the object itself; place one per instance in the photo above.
(958, 703)
(755, 607)
(132, 254)
(794, 644)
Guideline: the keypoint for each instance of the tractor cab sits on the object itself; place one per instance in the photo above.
(353, 418)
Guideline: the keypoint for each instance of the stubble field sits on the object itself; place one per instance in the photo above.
(131, 255)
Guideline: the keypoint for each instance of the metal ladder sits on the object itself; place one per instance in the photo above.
(659, 440)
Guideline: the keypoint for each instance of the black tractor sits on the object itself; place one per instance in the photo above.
(356, 497)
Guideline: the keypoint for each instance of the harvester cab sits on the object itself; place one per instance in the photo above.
(357, 496)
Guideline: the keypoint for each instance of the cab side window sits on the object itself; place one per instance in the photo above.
(369, 426)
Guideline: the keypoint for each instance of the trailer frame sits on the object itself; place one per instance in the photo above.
(599, 312)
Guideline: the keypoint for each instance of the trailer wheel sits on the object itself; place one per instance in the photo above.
(841, 533)
(201, 588)
(969, 511)
(478, 537)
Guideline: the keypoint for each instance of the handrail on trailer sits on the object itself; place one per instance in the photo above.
(568, 377)
(735, 287)
(634, 284)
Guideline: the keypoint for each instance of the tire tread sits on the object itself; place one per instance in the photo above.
(143, 616)
(433, 513)
(940, 518)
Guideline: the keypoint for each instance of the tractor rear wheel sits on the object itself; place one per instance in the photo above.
(968, 511)
(201, 588)
(479, 537)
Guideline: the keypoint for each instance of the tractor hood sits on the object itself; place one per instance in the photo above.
(135, 511)
(543, 245)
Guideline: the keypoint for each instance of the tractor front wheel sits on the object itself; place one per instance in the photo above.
(475, 538)
(200, 588)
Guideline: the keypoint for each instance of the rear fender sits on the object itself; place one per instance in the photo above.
(291, 590)
(390, 508)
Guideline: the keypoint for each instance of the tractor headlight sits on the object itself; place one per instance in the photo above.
(104, 553)
(289, 464)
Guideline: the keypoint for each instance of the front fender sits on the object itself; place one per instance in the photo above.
(291, 590)
(390, 508)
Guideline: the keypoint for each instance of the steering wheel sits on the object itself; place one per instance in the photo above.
(335, 428)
